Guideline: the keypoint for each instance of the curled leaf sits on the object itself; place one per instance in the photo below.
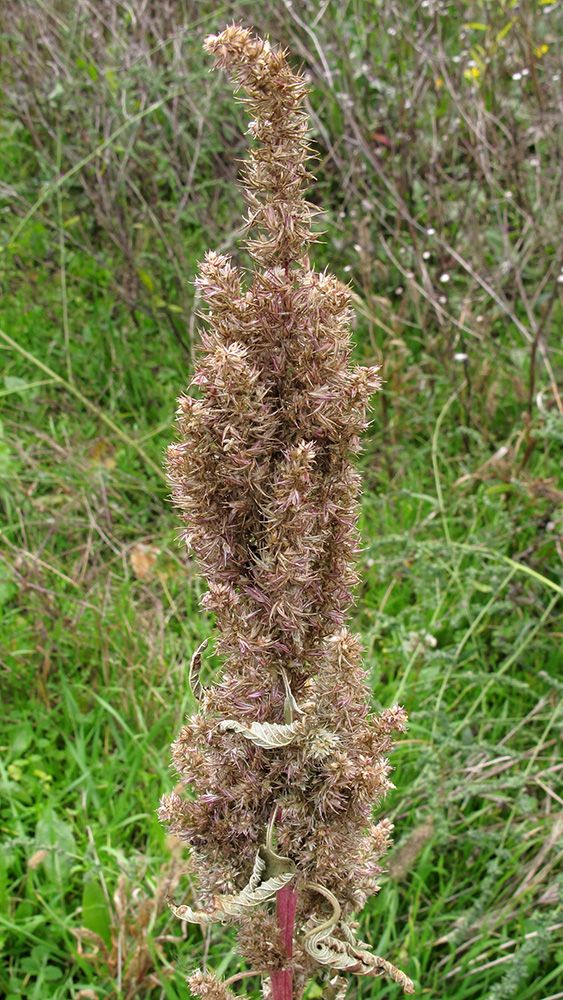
(279, 871)
(335, 989)
(257, 872)
(196, 686)
(342, 955)
(233, 905)
(98, 945)
(319, 931)
(349, 954)
(275, 864)
(268, 735)
(383, 968)
(186, 912)
(328, 950)
(290, 707)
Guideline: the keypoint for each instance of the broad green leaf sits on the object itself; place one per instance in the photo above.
(15, 384)
(96, 916)
(20, 740)
(8, 588)
(55, 836)
(51, 973)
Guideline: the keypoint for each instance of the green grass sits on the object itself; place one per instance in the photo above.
(459, 605)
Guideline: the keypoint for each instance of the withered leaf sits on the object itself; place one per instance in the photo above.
(196, 686)
(268, 735)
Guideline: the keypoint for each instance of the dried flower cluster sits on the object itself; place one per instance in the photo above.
(283, 758)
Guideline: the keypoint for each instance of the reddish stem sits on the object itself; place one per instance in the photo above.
(286, 902)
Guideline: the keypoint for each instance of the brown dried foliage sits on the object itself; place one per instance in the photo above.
(130, 960)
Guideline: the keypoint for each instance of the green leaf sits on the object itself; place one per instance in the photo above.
(313, 990)
(29, 965)
(96, 915)
(52, 972)
(3, 883)
(147, 281)
(57, 91)
(111, 78)
(56, 836)
(21, 738)
(15, 384)
(504, 31)
(8, 588)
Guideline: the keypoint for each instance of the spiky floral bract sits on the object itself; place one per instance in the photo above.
(208, 987)
(283, 758)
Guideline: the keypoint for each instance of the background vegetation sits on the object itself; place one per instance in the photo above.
(439, 126)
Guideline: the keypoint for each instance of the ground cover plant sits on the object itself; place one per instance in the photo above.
(439, 182)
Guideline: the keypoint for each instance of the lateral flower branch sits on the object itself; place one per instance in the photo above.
(284, 761)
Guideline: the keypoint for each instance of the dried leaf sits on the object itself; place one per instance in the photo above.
(335, 989)
(383, 968)
(36, 859)
(98, 945)
(275, 864)
(185, 912)
(253, 897)
(101, 453)
(120, 900)
(290, 707)
(257, 872)
(350, 955)
(257, 891)
(269, 735)
(143, 558)
(328, 950)
(196, 686)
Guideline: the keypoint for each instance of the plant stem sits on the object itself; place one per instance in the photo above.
(286, 902)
